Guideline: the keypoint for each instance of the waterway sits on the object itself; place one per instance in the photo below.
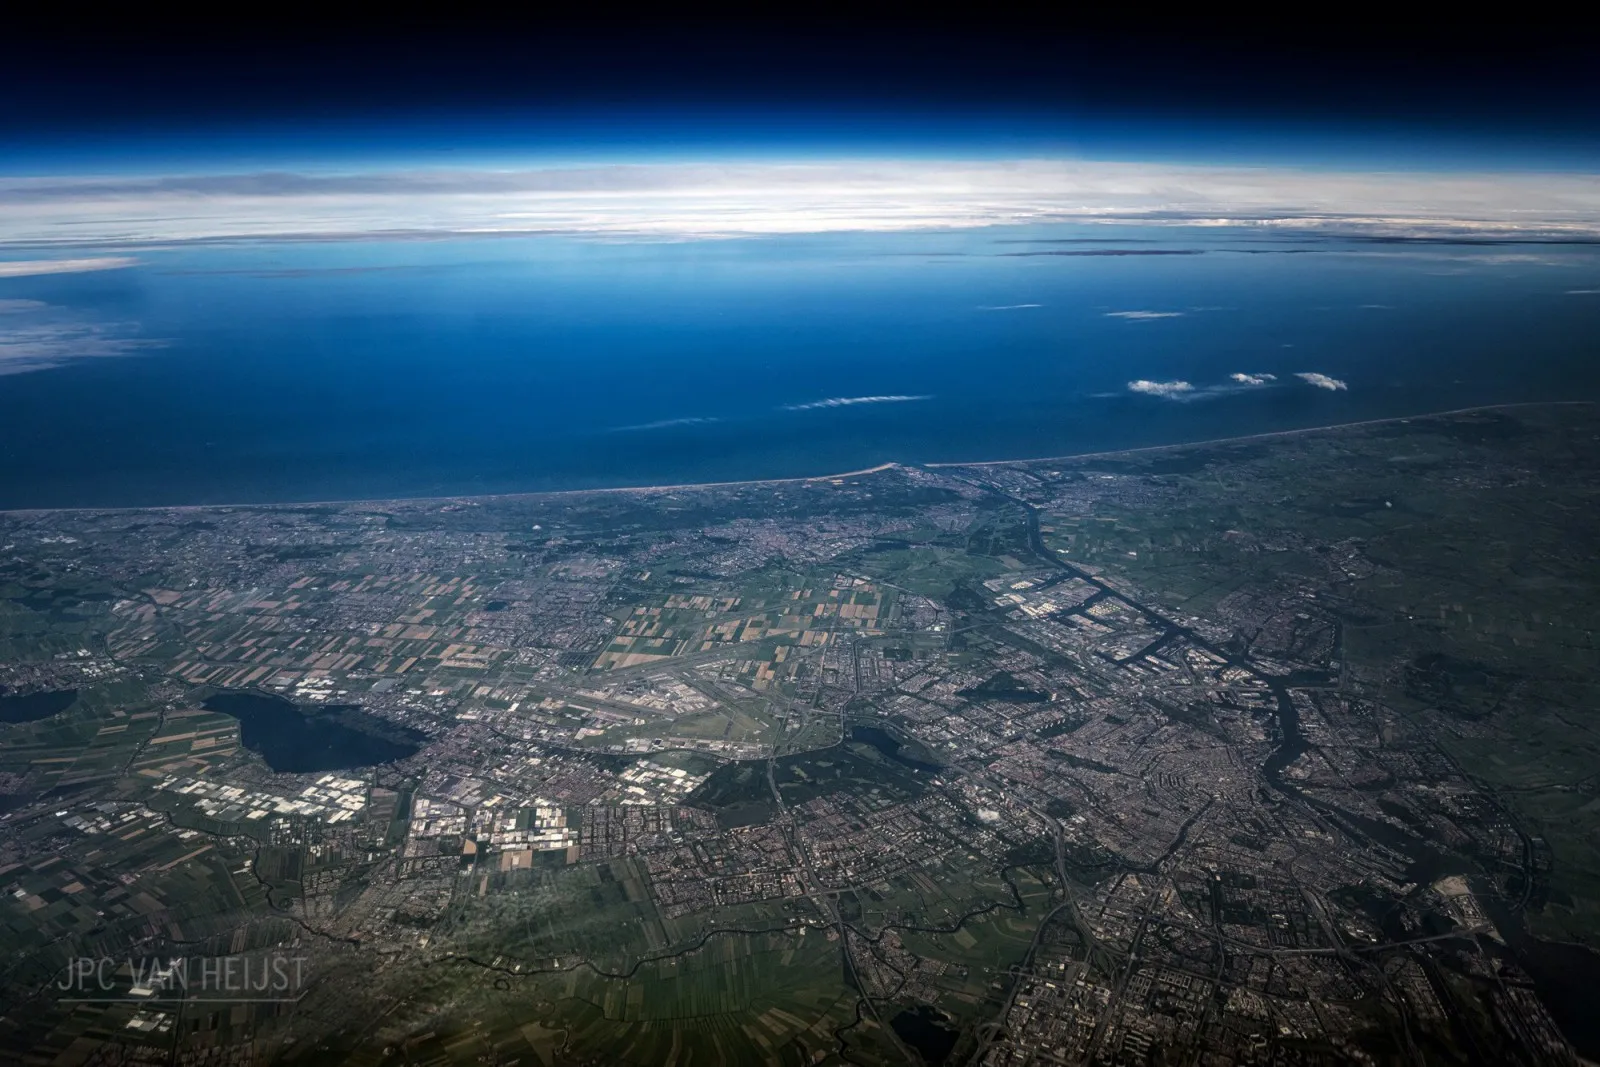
(1291, 742)
(1565, 975)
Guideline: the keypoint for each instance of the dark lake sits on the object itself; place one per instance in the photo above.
(31, 707)
(1003, 687)
(924, 1029)
(297, 739)
(891, 746)
(870, 760)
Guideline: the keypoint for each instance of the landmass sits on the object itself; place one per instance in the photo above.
(1274, 750)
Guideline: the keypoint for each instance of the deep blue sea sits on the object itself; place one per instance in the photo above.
(314, 371)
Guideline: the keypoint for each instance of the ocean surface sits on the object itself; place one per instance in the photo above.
(286, 371)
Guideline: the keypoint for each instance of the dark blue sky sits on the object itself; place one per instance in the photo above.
(1358, 95)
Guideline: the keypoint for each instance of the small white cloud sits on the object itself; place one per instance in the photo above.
(1009, 307)
(17, 307)
(1582, 292)
(1322, 381)
(1253, 379)
(1142, 316)
(1169, 390)
(22, 268)
(847, 401)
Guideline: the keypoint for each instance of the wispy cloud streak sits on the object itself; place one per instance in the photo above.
(43, 345)
(22, 268)
(667, 424)
(850, 401)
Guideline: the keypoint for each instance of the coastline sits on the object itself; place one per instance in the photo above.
(1270, 433)
(737, 483)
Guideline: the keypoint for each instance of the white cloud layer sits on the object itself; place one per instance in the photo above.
(1322, 381)
(848, 401)
(732, 199)
(1168, 390)
(1142, 316)
(1253, 379)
